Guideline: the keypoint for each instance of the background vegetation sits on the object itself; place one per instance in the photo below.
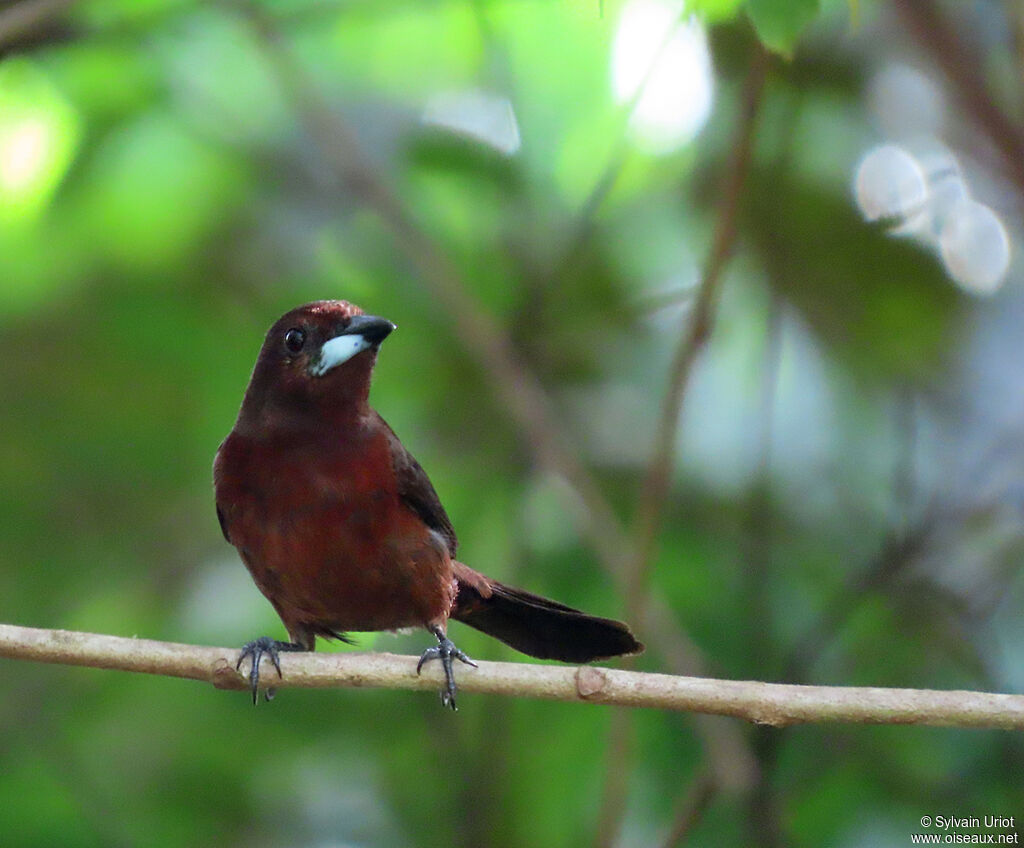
(840, 502)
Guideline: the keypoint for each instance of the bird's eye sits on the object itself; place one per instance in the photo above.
(294, 339)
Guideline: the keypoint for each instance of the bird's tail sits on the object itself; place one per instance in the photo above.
(537, 626)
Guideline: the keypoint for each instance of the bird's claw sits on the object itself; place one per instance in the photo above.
(445, 651)
(256, 650)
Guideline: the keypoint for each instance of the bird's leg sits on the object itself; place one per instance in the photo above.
(257, 649)
(444, 650)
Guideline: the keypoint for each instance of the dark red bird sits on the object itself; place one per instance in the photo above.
(341, 528)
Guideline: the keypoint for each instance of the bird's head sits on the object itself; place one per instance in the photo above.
(315, 358)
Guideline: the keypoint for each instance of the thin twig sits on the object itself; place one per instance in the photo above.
(899, 551)
(963, 69)
(758, 536)
(654, 490)
(763, 703)
(20, 20)
(691, 809)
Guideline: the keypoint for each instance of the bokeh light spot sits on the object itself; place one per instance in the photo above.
(889, 183)
(975, 247)
(38, 137)
(665, 63)
(926, 197)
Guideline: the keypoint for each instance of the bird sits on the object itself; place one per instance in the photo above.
(340, 527)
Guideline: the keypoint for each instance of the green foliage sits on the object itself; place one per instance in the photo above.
(39, 136)
(779, 23)
(715, 10)
(843, 275)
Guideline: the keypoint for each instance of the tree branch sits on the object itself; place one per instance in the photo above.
(775, 704)
(642, 605)
(654, 490)
(691, 808)
(20, 21)
(963, 68)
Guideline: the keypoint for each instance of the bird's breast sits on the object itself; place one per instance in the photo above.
(327, 538)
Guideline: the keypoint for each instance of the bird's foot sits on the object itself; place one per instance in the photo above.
(445, 651)
(257, 649)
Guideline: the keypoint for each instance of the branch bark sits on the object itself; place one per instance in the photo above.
(654, 490)
(774, 704)
(642, 605)
(19, 21)
(963, 68)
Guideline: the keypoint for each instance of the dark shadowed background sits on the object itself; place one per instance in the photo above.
(531, 191)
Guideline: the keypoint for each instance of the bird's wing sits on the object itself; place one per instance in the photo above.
(417, 492)
(223, 523)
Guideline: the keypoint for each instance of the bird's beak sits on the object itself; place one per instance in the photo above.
(362, 333)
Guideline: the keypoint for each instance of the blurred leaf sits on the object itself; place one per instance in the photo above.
(714, 11)
(441, 150)
(113, 13)
(156, 192)
(39, 134)
(397, 50)
(882, 303)
(779, 23)
(106, 81)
